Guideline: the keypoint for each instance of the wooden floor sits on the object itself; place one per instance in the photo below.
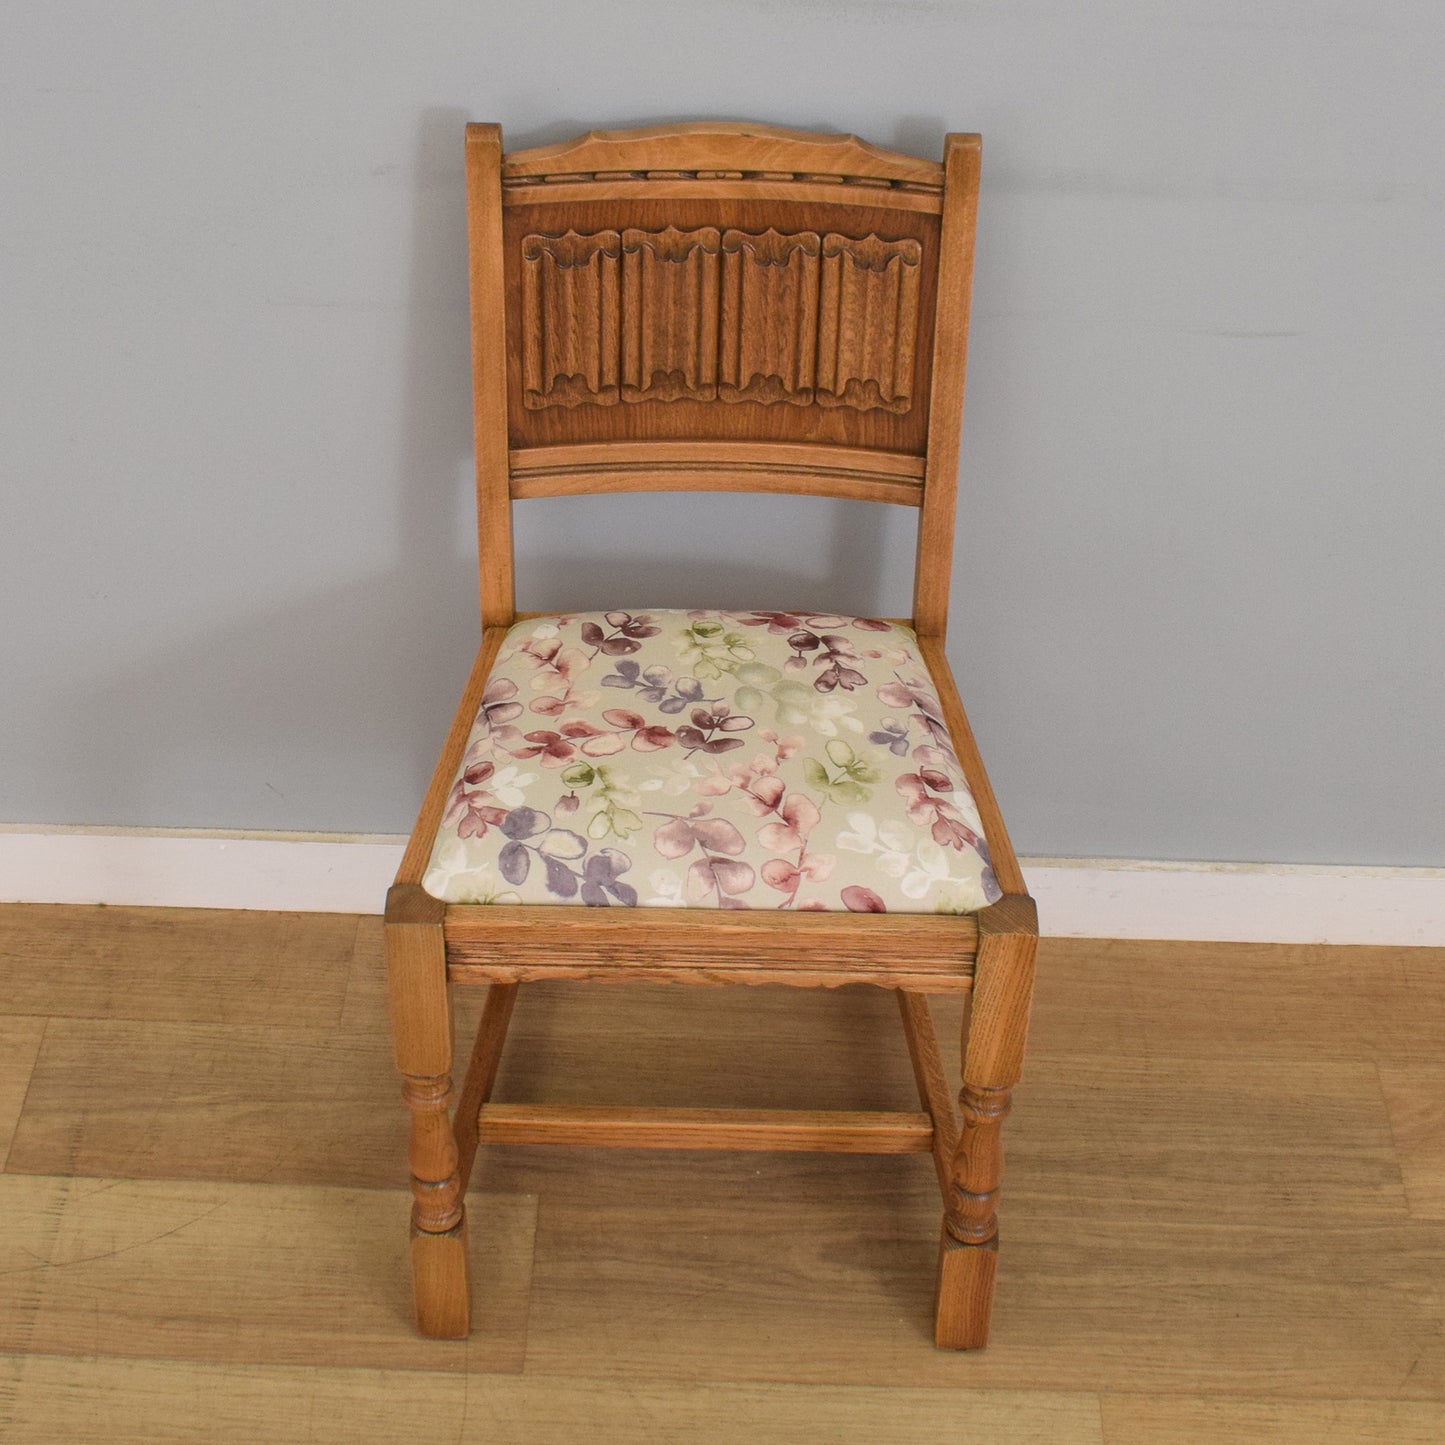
(1224, 1215)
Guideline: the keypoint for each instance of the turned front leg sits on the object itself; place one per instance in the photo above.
(992, 1063)
(422, 1034)
(436, 1185)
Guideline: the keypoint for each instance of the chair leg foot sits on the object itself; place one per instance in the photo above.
(965, 1293)
(439, 1277)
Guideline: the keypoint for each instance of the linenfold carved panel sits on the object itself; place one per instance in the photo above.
(669, 314)
(705, 315)
(769, 316)
(569, 319)
(868, 318)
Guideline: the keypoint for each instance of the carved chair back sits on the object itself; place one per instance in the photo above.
(719, 307)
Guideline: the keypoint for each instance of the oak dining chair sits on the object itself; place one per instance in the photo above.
(703, 796)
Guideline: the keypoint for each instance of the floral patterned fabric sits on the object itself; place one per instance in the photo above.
(712, 760)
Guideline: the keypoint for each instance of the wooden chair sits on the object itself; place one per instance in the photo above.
(744, 309)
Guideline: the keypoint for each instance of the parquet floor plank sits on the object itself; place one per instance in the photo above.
(171, 1402)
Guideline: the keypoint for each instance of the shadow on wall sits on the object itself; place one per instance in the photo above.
(326, 714)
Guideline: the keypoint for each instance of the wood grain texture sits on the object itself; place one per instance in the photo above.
(206, 965)
(867, 322)
(1135, 1000)
(1238, 1306)
(706, 314)
(19, 1045)
(1204, 1216)
(241, 1273)
(421, 1022)
(571, 287)
(213, 1101)
(900, 199)
(490, 381)
(481, 1076)
(1189, 1419)
(773, 456)
(1415, 1097)
(669, 319)
(993, 1053)
(854, 474)
(928, 1073)
(441, 1283)
(173, 1402)
(504, 943)
(934, 566)
(762, 330)
(791, 1130)
(725, 146)
(768, 330)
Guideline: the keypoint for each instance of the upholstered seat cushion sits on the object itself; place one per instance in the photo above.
(711, 760)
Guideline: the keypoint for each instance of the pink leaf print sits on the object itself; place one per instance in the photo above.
(817, 866)
(603, 746)
(799, 817)
(674, 839)
(857, 899)
(767, 793)
(949, 832)
(717, 835)
(622, 717)
(551, 748)
(725, 875)
(780, 874)
(497, 704)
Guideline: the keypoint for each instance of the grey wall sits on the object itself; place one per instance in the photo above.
(1198, 592)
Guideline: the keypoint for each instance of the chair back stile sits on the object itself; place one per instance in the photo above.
(719, 307)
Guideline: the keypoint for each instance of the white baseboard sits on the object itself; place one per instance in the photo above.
(1077, 897)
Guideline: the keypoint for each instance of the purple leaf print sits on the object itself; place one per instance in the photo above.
(834, 659)
(773, 621)
(601, 875)
(893, 736)
(625, 639)
(561, 880)
(618, 646)
(524, 823)
(716, 718)
(625, 676)
(514, 862)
